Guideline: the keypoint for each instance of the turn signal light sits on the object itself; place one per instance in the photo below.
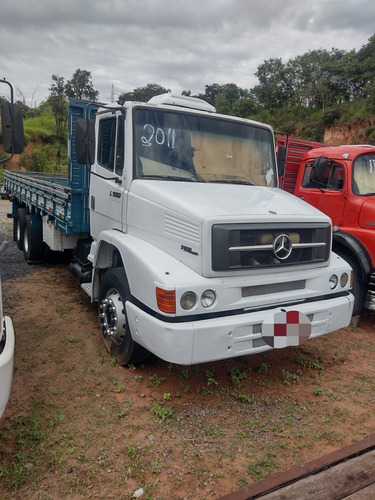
(166, 300)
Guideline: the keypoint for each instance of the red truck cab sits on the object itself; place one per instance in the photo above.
(340, 181)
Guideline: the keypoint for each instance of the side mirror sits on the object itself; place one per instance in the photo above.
(12, 128)
(319, 176)
(85, 141)
(281, 158)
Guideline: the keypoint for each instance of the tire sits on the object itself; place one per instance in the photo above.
(359, 287)
(18, 227)
(113, 294)
(33, 246)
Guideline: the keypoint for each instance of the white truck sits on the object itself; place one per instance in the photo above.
(181, 235)
(7, 343)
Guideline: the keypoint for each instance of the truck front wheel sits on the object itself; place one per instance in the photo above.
(359, 287)
(113, 294)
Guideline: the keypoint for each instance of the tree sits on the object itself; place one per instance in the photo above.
(366, 62)
(81, 87)
(272, 91)
(210, 93)
(143, 94)
(228, 98)
(319, 78)
(58, 104)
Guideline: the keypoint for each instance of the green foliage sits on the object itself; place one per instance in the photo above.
(237, 376)
(264, 466)
(331, 116)
(370, 133)
(59, 105)
(80, 86)
(155, 379)
(162, 412)
(48, 151)
(39, 159)
(40, 128)
(143, 94)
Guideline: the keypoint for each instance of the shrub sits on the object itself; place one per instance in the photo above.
(331, 116)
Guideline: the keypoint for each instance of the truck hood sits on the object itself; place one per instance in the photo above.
(178, 217)
(200, 200)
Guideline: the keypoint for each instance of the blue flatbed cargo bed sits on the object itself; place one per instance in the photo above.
(45, 194)
(64, 198)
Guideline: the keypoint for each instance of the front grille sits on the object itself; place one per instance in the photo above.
(256, 290)
(243, 246)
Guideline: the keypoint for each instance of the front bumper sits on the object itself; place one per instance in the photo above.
(6, 364)
(212, 339)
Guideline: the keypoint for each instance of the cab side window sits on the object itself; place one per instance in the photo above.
(337, 177)
(111, 143)
(307, 175)
(120, 146)
(324, 174)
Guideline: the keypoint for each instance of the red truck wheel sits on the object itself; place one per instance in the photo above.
(359, 287)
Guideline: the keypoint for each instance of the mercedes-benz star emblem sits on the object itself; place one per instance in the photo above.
(282, 246)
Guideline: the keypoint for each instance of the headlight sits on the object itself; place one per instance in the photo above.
(333, 280)
(188, 300)
(344, 280)
(208, 298)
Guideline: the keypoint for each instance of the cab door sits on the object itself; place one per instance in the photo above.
(324, 185)
(107, 194)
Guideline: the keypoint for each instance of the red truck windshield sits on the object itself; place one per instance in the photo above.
(174, 145)
(364, 174)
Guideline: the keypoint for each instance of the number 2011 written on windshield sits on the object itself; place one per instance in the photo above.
(158, 136)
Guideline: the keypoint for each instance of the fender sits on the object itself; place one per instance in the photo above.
(344, 243)
(145, 266)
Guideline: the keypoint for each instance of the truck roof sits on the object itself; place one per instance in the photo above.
(345, 152)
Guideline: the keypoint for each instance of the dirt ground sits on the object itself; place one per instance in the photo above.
(80, 426)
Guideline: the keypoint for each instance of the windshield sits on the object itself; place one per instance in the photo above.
(179, 146)
(364, 174)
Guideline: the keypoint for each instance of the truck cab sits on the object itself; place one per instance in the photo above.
(181, 235)
(190, 229)
(340, 181)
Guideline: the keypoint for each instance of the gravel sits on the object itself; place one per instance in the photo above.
(12, 262)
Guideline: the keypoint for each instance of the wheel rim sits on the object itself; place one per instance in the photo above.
(112, 318)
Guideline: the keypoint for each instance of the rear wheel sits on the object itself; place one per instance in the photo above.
(113, 294)
(18, 227)
(33, 246)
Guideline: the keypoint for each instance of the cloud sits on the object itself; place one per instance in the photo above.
(177, 44)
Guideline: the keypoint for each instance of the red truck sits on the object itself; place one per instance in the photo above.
(339, 181)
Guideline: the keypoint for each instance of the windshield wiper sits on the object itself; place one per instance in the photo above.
(170, 178)
(231, 181)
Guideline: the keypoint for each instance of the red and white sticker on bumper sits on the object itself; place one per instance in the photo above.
(286, 328)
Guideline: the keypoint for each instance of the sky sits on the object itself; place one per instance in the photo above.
(178, 44)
